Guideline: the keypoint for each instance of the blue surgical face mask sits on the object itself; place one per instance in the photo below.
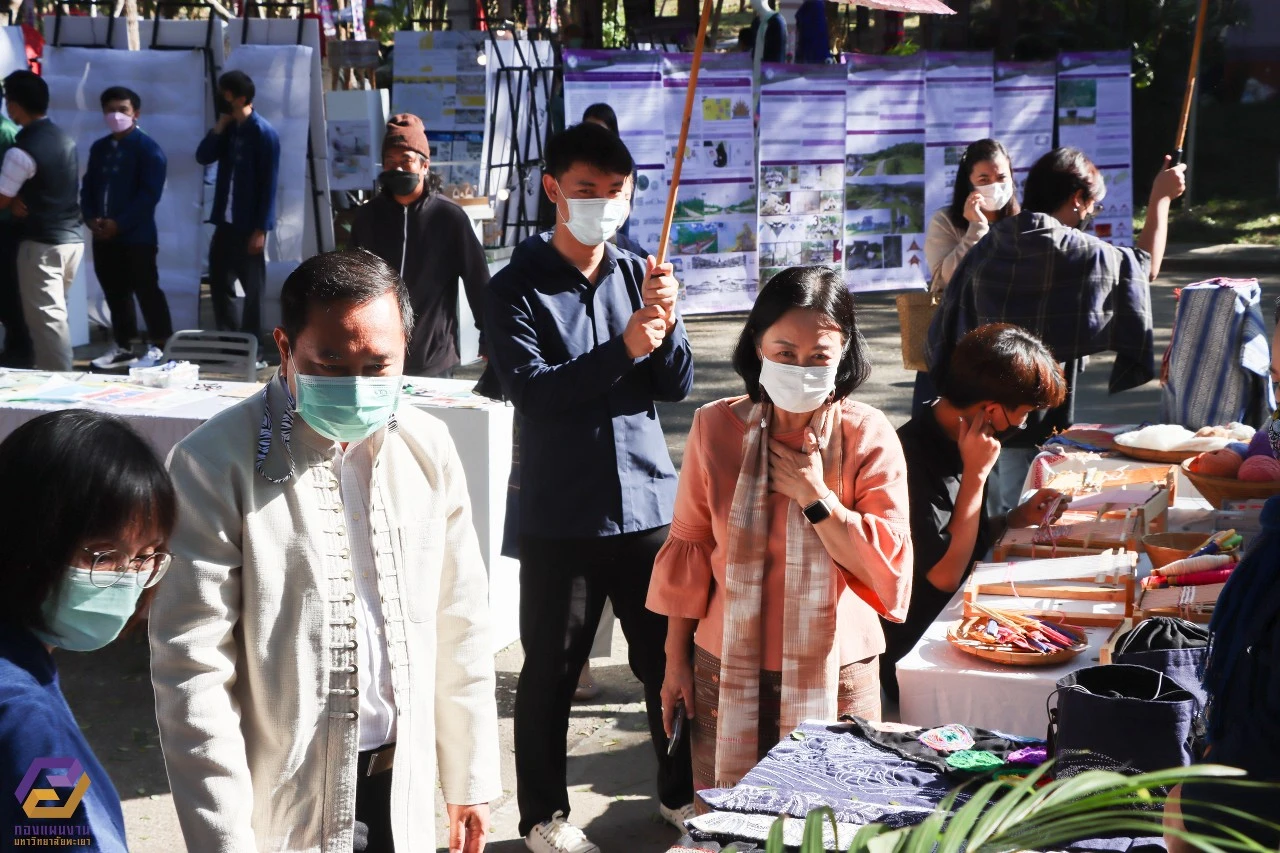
(346, 408)
(84, 617)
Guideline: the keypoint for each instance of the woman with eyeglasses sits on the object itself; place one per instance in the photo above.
(86, 514)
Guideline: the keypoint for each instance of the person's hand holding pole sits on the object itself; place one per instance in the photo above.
(1170, 183)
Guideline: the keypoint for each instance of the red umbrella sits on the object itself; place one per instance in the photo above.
(915, 7)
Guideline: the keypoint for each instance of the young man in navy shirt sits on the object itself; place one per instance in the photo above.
(585, 340)
(118, 197)
(247, 151)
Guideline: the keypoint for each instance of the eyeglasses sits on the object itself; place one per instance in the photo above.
(111, 567)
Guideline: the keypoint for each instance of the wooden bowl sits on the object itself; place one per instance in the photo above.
(1011, 657)
(1219, 490)
(1167, 457)
(1165, 548)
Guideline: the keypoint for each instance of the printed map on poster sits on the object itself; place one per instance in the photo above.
(959, 97)
(1023, 114)
(437, 77)
(802, 130)
(713, 237)
(631, 83)
(1095, 114)
(884, 214)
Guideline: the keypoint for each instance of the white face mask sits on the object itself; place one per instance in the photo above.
(797, 389)
(593, 220)
(995, 196)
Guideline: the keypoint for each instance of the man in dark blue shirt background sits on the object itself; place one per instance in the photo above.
(585, 340)
(247, 151)
(118, 197)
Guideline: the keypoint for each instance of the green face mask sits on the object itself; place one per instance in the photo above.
(84, 617)
(346, 408)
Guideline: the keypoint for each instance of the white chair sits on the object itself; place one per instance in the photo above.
(225, 353)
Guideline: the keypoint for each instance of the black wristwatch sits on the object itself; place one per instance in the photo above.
(818, 511)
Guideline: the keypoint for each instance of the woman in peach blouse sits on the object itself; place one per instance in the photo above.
(791, 537)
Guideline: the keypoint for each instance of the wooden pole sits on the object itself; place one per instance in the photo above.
(684, 132)
(1192, 73)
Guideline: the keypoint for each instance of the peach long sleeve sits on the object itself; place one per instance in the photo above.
(689, 573)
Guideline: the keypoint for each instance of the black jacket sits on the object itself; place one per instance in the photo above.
(431, 244)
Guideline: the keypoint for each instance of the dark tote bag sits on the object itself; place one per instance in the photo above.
(1176, 647)
(1133, 715)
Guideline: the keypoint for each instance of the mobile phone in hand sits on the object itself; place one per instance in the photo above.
(677, 730)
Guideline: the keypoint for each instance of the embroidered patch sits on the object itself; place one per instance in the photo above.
(976, 760)
(949, 738)
(1033, 755)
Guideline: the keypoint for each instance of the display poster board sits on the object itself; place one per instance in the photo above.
(884, 210)
(713, 235)
(631, 83)
(13, 51)
(802, 157)
(439, 76)
(1095, 114)
(1022, 115)
(173, 88)
(959, 97)
(356, 121)
(519, 75)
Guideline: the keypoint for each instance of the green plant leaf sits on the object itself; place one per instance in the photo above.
(775, 842)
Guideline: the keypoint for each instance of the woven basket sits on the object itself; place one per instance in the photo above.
(1164, 548)
(915, 313)
(1219, 490)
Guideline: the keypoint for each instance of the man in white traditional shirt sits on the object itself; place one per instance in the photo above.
(323, 640)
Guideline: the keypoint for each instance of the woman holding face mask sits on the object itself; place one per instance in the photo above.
(791, 537)
(86, 521)
(983, 194)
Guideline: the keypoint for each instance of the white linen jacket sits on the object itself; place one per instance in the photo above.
(253, 639)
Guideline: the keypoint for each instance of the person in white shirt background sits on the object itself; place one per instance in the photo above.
(40, 182)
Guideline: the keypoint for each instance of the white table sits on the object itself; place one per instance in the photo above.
(938, 683)
(481, 432)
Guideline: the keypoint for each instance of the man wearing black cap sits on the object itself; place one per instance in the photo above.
(429, 240)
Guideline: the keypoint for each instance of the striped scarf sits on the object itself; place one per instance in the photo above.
(810, 663)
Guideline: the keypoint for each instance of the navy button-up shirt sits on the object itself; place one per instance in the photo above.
(593, 459)
(248, 158)
(124, 181)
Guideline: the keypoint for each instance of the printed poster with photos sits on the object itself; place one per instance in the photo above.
(1095, 114)
(630, 81)
(456, 157)
(884, 213)
(802, 134)
(1022, 117)
(440, 78)
(351, 158)
(959, 98)
(713, 235)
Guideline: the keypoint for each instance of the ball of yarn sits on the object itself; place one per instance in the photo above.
(1260, 469)
(1217, 463)
(1260, 446)
(1239, 448)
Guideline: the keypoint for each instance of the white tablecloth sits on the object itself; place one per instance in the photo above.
(481, 432)
(938, 683)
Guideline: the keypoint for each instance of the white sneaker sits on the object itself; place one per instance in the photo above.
(677, 817)
(115, 358)
(260, 365)
(154, 356)
(558, 836)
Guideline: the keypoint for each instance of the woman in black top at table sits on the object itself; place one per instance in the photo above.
(998, 376)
